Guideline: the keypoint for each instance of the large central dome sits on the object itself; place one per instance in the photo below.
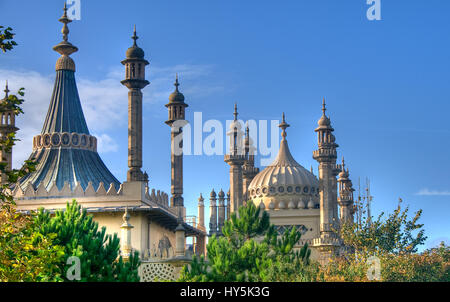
(284, 177)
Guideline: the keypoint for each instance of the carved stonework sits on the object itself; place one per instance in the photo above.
(65, 140)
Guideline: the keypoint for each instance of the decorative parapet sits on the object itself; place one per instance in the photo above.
(323, 242)
(65, 140)
(159, 197)
(65, 191)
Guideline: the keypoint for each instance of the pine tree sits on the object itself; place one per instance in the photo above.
(98, 252)
(248, 250)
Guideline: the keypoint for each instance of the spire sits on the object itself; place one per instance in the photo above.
(343, 164)
(235, 112)
(6, 90)
(324, 108)
(283, 127)
(65, 47)
(176, 84)
(65, 20)
(134, 37)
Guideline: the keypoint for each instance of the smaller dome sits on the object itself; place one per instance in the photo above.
(176, 96)
(213, 194)
(282, 205)
(324, 121)
(221, 194)
(135, 52)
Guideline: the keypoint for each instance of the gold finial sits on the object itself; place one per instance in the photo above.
(134, 37)
(65, 20)
(235, 112)
(283, 126)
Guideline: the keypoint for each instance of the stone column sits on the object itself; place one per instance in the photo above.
(180, 241)
(213, 214)
(201, 212)
(221, 212)
(126, 227)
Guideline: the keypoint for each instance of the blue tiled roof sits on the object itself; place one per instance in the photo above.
(67, 164)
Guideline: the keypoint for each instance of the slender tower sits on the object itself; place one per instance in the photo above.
(345, 199)
(7, 126)
(135, 81)
(326, 156)
(201, 212)
(249, 171)
(212, 214)
(176, 121)
(221, 210)
(235, 159)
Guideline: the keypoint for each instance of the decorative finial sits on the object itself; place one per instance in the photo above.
(235, 112)
(6, 90)
(134, 37)
(65, 20)
(343, 164)
(312, 169)
(176, 84)
(283, 126)
(201, 198)
(324, 108)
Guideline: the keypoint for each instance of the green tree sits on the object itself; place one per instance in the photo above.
(25, 253)
(396, 234)
(79, 235)
(247, 251)
(6, 39)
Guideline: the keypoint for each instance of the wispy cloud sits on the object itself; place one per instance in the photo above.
(104, 101)
(427, 192)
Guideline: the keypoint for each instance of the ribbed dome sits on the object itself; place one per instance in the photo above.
(284, 175)
(135, 52)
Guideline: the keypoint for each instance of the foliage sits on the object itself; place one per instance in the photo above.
(6, 39)
(396, 234)
(25, 253)
(248, 250)
(78, 233)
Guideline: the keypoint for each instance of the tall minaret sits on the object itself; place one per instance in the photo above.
(7, 126)
(212, 213)
(326, 156)
(221, 212)
(249, 171)
(176, 121)
(235, 159)
(345, 195)
(135, 81)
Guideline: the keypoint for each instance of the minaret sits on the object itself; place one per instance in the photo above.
(326, 156)
(235, 159)
(135, 81)
(249, 171)
(201, 212)
(176, 121)
(213, 214)
(221, 212)
(345, 199)
(7, 126)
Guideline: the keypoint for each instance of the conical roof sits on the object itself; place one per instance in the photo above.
(65, 152)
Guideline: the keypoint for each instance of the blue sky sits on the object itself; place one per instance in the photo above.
(386, 84)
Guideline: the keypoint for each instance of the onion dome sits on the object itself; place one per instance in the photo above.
(324, 121)
(301, 204)
(135, 52)
(284, 175)
(344, 173)
(213, 194)
(221, 194)
(176, 96)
